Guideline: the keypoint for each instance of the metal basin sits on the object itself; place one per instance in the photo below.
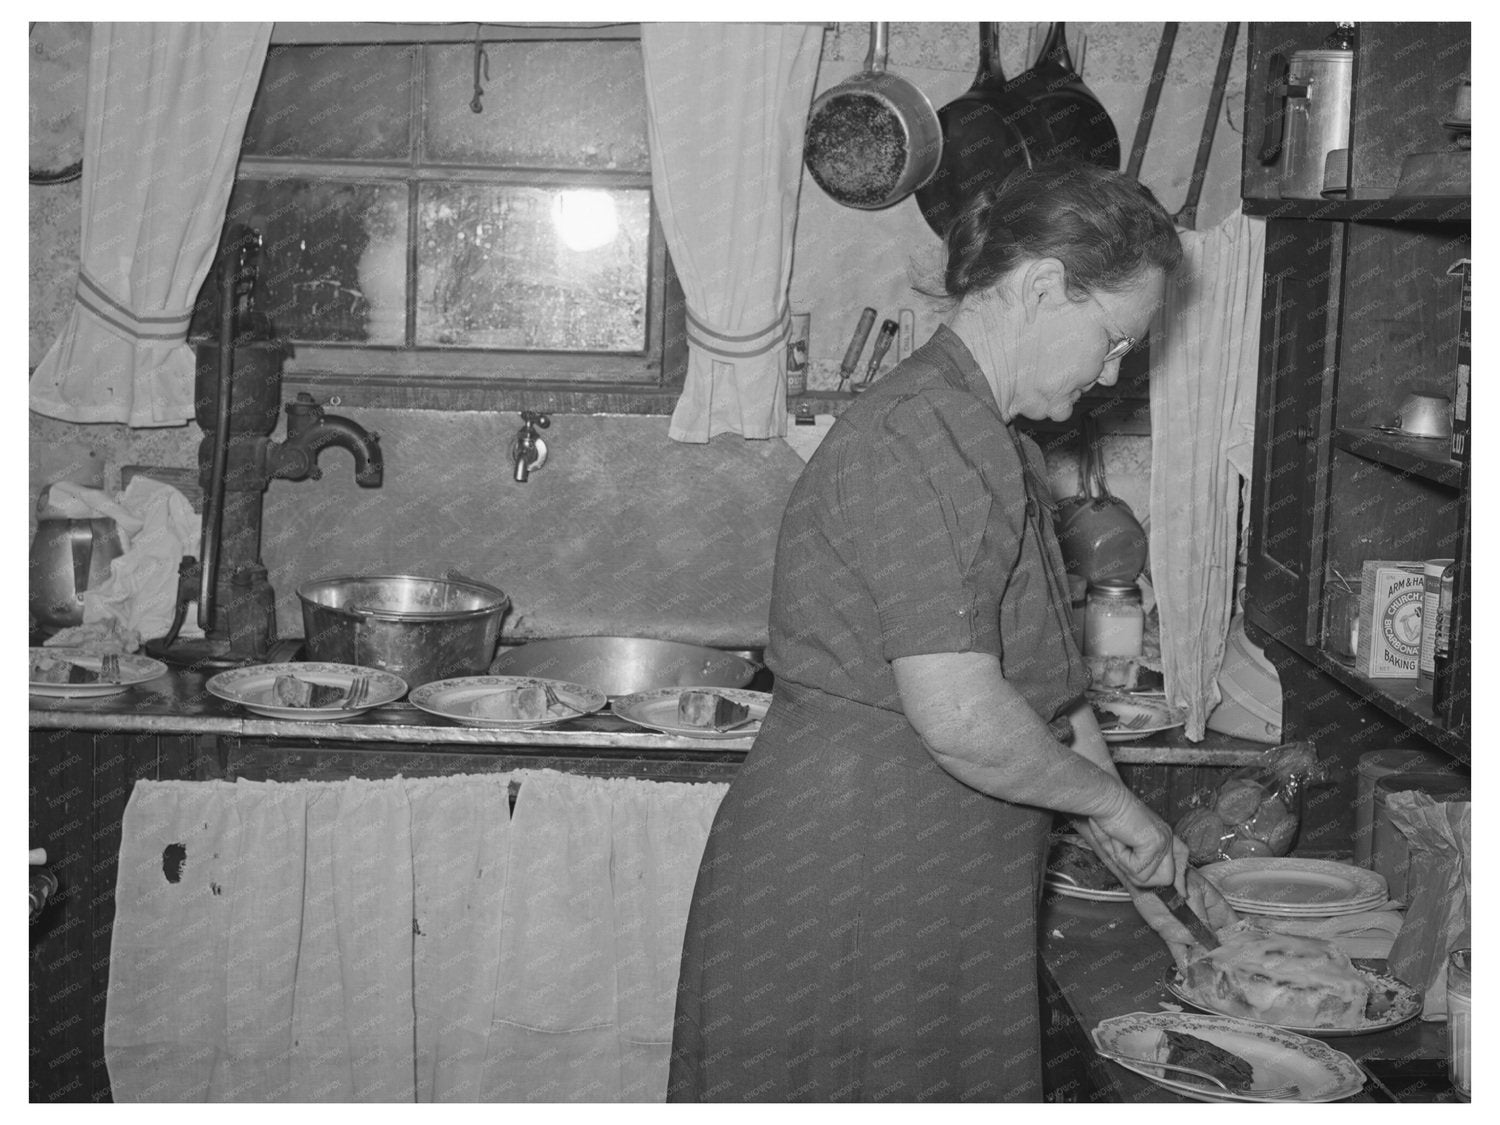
(422, 629)
(624, 665)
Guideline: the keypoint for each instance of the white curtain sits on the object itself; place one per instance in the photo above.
(727, 107)
(1204, 356)
(163, 121)
(401, 940)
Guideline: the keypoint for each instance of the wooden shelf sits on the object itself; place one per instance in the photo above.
(1407, 700)
(1420, 457)
(1403, 209)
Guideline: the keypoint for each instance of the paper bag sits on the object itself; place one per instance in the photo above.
(1437, 918)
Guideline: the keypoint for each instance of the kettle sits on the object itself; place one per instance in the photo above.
(1314, 119)
(68, 556)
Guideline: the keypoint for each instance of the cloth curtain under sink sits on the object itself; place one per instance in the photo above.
(401, 940)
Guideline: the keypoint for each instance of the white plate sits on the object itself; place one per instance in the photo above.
(1145, 716)
(134, 670)
(1321, 1073)
(657, 710)
(456, 699)
(1088, 894)
(1405, 1003)
(1284, 885)
(253, 689)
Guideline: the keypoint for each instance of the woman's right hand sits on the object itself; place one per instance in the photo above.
(1140, 842)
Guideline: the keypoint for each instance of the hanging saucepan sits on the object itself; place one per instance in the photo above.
(1079, 125)
(988, 132)
(873, 139)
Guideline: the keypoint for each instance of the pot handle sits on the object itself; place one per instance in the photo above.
(990, 72)
(876, 56)
(1277, 71)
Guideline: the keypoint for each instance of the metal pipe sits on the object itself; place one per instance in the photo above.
(213, 502)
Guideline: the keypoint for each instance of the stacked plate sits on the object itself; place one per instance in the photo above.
(1284, 887)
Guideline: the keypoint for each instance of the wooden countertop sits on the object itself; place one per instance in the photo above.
(1104, 961)
(178, 703)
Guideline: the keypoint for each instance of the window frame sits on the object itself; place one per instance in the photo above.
(644, 382)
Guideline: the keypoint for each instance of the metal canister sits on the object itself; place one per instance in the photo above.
(1314, 113)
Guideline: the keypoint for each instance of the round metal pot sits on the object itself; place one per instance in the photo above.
(421, 629)
(624, 665)
(874, 138)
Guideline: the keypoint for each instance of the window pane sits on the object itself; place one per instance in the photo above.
(532, 268)
(545, 105)
(334, 103)
(333, 262)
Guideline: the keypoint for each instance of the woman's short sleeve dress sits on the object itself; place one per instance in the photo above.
(863, 923)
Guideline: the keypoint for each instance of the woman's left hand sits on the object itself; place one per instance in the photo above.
(1204, 899)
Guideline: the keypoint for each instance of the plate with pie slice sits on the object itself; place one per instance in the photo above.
(1126, 718)
(507, 702)
(1251, 1058)
(306, 690)
(663, 709)
(71, 673)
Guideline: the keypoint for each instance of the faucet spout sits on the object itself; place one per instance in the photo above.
(310, 431)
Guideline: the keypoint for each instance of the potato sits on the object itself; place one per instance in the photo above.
(1274, 823)
(1238, 799)
(1244, 847)
(1204, 832)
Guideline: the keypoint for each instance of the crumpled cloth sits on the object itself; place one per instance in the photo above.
(1368, 934)
(157, 527)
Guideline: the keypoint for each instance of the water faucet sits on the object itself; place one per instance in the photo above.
(309, 431)
(529, 452)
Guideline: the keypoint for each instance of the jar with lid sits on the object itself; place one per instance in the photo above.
(1114, 622)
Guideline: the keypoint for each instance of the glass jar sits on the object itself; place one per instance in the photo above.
(1460, 1039)
(1114, 622)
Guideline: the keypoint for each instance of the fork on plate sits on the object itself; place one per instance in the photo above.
(553, 700)
(359, 691)
(109, 668)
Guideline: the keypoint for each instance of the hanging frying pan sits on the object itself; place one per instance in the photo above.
(873, 139)
(988, 132)
(1079, 124)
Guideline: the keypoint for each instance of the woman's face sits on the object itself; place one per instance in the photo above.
(1078, 343)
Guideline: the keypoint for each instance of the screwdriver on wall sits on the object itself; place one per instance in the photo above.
(888, 330)
(856, 345)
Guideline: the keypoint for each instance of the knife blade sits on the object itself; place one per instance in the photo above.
(1174, 902)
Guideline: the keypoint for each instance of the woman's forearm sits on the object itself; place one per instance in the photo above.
(980, 728)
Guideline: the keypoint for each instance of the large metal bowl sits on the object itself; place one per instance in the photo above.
(624, 665)
(422, 629)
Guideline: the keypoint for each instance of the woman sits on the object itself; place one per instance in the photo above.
(863, 924)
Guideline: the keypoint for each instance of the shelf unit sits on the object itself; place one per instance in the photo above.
(1358, 309)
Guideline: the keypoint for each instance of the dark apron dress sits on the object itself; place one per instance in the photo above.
(863, 927)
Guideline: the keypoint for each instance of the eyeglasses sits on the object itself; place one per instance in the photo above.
(1119, 343)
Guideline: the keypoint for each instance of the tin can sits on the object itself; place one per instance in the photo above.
(1432, 581)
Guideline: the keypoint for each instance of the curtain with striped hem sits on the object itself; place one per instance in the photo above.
(166, 111)
(727, 108)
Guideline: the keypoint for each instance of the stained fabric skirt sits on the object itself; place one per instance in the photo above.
(863, 926)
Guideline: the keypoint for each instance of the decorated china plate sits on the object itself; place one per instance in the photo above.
(657, 710)
(1284, 886)
(1279, 1058)
(1392, 1002)
(253, 688)
(463, 700)
(134, 669)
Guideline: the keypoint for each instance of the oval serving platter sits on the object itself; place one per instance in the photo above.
(1395, 1003)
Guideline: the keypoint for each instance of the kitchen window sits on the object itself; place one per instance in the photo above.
(417, 252)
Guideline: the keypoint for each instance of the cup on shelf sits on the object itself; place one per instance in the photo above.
(1428, 415)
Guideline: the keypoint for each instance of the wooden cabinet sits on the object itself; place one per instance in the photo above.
(1360, 307)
